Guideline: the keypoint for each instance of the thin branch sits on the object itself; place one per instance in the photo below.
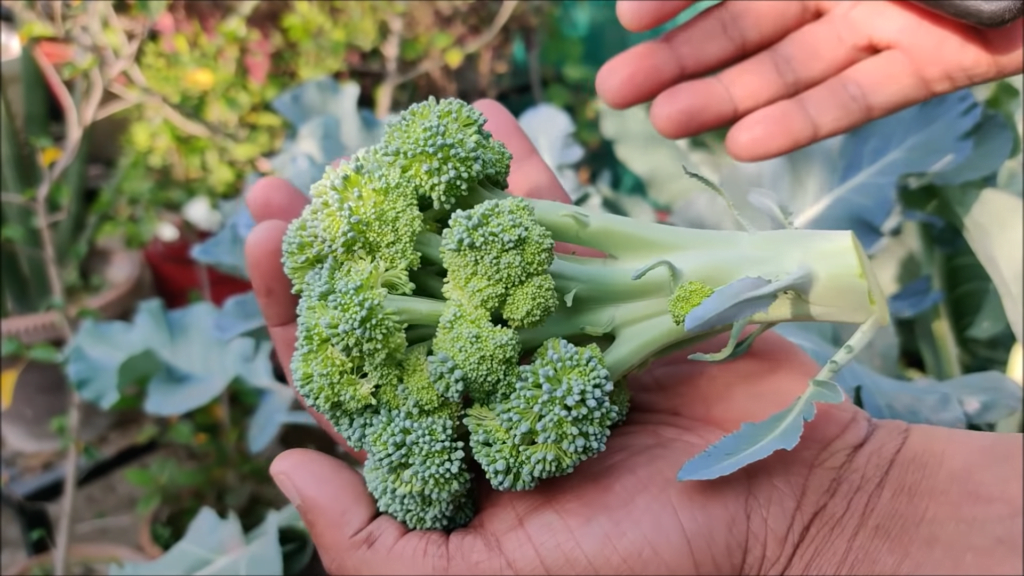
(180, 121)
(390, 49)
(500, 19)
(111, 108)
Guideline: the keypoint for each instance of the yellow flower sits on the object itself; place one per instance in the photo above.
(200, 79)
(49, 155)
(201, 438)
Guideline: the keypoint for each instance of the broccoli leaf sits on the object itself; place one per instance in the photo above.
(215, 545)
(240, 315)
(551, 130)
(977, 398)
(756, 441)
(741, 299)
(991, 222)
(188, 364)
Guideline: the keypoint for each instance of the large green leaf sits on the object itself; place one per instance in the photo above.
(758, 440)
(188, 364)
(991, 222)
(977, 398)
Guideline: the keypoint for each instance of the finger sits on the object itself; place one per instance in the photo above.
(643, 16)
(277, 304)
(272, 288)
(709, 42)
(273, 198)
(868, 90)
(803, 59)
(342, 520)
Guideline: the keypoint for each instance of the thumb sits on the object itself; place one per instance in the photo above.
(342, 519)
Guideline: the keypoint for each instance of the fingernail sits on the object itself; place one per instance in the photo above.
(284, 484)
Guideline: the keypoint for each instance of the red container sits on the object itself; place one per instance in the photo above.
(178, 279)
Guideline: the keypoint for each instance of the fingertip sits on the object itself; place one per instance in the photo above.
(274, 198)
(328, 493)
(764, 134)
(641, 16)
(272, 287)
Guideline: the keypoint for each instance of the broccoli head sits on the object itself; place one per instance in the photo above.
(437, 327)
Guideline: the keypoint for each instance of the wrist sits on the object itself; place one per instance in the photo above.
(919, 499)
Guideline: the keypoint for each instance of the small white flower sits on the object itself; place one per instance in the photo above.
(167, 232)
(201, 213)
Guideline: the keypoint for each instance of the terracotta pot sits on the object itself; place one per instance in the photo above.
(125, 274)
(96, 553)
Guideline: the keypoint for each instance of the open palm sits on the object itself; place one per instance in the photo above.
(620, 512)
(792, 73)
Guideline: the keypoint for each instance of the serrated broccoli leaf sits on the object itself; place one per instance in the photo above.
(977, 398)
(214, 545)
(741, 299)
(756, 441)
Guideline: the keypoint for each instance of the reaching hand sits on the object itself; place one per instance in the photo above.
(792, 73)
(620, 512)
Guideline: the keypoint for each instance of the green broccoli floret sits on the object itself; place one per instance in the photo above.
(559, 414)
(437, 327)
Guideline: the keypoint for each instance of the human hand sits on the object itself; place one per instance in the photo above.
(620, 512)
(792, 73)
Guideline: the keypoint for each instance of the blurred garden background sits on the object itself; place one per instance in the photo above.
(142, 401)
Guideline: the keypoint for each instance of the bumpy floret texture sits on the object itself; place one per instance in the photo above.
(687, 297)
(558, 415)
(416, 468)
(473, 355)
(442, 148)
(355, 211)
(497, 257)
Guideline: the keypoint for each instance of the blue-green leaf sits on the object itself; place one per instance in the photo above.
(756, 441)
(240, 315)
(742, 299)
(552, 131)
(216, 546)
(977, 398)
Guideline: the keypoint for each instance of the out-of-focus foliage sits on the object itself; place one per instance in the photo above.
(928, 191)
(214, 69)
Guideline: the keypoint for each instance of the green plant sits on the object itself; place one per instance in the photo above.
(278, 546)
(933, 192)
(422, 283)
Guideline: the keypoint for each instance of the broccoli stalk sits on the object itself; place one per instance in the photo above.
(436, 324)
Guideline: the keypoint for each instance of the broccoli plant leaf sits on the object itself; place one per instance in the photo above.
(275, 407)
(741, 299)
(756, 441)
(190, 365)
(240, 315)
(225, 250)
(850, 182)
(551, 130)
(990, 220)
(976, 398)
(216, 546)
(914, 298)
(657, 161)
(197, 366)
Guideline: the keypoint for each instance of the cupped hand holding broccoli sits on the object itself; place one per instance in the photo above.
(495, 417)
